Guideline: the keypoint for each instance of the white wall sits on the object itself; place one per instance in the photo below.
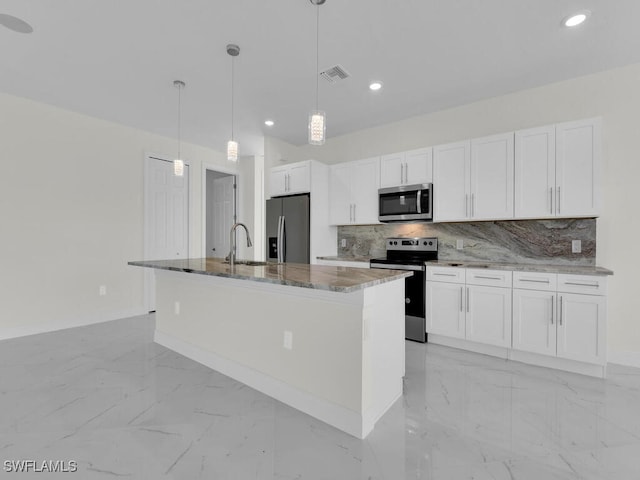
(614, 95)
(71, 207)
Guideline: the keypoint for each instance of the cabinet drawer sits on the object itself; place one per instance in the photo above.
(446, 274)
(586, 284)
(490, 278)
(535, 281)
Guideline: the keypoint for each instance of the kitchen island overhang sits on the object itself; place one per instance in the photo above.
(326, 340)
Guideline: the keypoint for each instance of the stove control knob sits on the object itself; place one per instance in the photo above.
(424, 243)
(430, 243)
(407, 300)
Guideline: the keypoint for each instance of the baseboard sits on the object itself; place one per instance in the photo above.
(63, 324)
(628, 359)
(337, 416)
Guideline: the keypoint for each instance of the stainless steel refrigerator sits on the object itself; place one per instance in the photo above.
(288, 229)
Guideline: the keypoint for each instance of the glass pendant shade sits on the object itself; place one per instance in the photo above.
(232, 151)
(178, 168)
(317, 127)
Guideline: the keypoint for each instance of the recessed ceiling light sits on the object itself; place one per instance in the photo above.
(375, 86)
(269, 123)
(576, 19)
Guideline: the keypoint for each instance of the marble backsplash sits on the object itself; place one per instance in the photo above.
(515, 241)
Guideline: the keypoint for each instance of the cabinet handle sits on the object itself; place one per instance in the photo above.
(553, 297)
(351, 212)
(534, 281)
(558, 201)
(560, 319)
(467, 299)
(488, 278)
(445, 274)
(473, 205)
(406, 173)
(402, 173)
(583, 284)
(551, 200)
(466, 205)
(461, 299)
(354, 212)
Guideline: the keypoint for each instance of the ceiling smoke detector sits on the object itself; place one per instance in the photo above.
(335, 74)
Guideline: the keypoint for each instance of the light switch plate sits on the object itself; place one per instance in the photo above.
(576, 246)
(343, 242)
(459, 244)
(288, 340)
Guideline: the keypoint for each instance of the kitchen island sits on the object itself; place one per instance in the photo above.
(326, 340)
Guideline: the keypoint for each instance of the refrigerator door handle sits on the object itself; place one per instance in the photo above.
(279, 239)
(283, 238)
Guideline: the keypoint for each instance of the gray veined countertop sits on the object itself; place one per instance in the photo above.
(319, 277)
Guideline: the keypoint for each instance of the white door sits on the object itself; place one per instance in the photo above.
(340, 206)
(392, 170)
(492, 177)
(578, 168)
(365, 181)
(451, 181)
(534, 321)
(581, 327)
(166, 217)
(223, 200)
(489, 315)
(535, 172)
(445, 309)
(418, 166)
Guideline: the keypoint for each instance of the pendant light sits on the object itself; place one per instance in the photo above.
(178, 163)
(232, 145)
(317, 118)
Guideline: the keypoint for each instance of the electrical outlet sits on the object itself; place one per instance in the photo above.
(459, 244)
(103, 290)
(576, 246)
(343, 242)
(288, 340)
(176, 308)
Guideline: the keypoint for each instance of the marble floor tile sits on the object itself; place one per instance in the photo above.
(109, 398)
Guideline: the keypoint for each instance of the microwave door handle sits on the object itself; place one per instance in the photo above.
(419, 201)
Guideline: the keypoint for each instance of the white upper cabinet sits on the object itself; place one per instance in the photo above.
(406, 168)
(578, 152)
(451, 166)
(473, 180)
(290, 179)
(535, 172)
(491, 178)
(353, 192)
(557, 170)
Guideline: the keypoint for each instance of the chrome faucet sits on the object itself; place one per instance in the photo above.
(232, 241)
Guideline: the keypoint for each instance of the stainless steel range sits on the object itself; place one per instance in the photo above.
(411, 254)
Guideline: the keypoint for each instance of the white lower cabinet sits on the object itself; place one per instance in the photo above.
(553, 316)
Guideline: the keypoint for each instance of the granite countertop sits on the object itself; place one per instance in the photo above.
(318, 277)
(568, 269)
(346, 259)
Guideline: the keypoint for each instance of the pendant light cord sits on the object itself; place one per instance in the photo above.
(179, 121)
(232, 63)
(317, 49)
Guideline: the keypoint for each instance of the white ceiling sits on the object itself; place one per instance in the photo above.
(118, 60)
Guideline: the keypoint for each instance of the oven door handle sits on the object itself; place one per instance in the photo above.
(415, 268)
(419, 201)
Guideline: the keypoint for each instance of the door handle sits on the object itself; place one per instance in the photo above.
(461, 299)
(558, 201)
(402, 173)
(553, 297)
(551, 200)
(467, 299)
(560, 319)
(354, 212)
(473, 205)
(466, 205)
(406, 173)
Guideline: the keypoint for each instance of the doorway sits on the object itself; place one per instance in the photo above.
(220, 211)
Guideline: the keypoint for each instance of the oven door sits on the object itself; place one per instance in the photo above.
(414, 298)
(409, 202)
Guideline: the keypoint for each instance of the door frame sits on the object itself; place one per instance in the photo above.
(220, 169)
(148, 272)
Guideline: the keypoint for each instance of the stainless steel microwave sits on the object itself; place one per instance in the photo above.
(406, 203)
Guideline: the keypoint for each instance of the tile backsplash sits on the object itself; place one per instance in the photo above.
(514, 241)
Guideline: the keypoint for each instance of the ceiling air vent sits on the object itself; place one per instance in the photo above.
(335, 74)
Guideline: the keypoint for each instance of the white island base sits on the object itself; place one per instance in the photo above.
(346, 358)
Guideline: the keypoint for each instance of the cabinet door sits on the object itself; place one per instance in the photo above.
(535, 172)
(492, 177)
(340, 208)
(392, 170)
(581, 327)
(278, 181)
(299, 180)
(489, 315)
(445, 309)
(365, 181)
(418, 166)
(534, 322)
(578, 150)
(451, 181)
